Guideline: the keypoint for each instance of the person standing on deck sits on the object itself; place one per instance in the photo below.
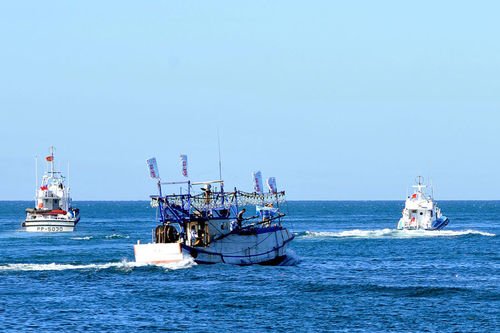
(239, 217)
(193, 235)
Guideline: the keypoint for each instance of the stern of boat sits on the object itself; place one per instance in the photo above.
(158, 253)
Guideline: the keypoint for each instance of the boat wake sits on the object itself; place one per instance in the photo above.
(183, 264)
(392, 233)
(123, 265)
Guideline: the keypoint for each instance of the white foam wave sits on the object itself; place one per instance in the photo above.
(123, 265)
(185, 263)
(357, 233)
(61, 267)
(82, 238)
(117, 236)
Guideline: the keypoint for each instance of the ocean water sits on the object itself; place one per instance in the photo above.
(349, 271)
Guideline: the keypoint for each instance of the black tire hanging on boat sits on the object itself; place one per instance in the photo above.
(171, 234)
(193, 253)
(160, 234)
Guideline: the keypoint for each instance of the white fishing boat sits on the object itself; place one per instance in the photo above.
(53, 211)
(421, 212)
(209, 225)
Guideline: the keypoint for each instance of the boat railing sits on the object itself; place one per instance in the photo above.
(218, 200)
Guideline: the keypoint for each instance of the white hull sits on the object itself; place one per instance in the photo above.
(236, 249)
(158, 253)
(50, 225)
(436, 224)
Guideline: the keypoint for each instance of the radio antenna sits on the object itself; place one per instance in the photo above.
(220, 161)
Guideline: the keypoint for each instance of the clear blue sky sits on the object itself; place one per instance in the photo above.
(337, 99)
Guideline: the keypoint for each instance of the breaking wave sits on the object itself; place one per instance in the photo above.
(123, 265)
(183, 264)
(112, 236)
(63, 267)
(117, 236)
(392, 233)
(82, 238)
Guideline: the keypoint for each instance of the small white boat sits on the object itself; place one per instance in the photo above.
(209, 226)
(53, 211)
(421, 212)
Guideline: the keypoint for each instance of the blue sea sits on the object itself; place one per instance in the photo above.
(348, 271)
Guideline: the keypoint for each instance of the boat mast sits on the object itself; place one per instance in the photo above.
(36, 180)
(52, 161)
(220, 161)
(68, 178)
(160, 206)
(67, 191)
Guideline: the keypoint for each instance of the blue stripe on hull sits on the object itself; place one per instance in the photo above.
(440, 223)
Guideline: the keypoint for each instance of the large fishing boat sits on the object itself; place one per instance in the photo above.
(53, 210)
(208, 224)
(421, 212)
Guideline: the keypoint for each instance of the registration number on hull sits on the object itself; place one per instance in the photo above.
(49, 229)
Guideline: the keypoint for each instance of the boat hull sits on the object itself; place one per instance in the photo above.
(265, 246)
(437, 224)
(440, 223)
(158, 253)
(50, 225)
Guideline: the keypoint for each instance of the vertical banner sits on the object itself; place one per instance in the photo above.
(184, 164)
(153, 168)
(257, 182)
(271, 185)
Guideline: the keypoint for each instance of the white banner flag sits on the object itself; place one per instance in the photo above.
(257, 182)
(153, 168)
(184, 163)
(271, 185)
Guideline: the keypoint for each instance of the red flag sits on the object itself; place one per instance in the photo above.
(414, 196)
(49, 158)
(44, 188)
